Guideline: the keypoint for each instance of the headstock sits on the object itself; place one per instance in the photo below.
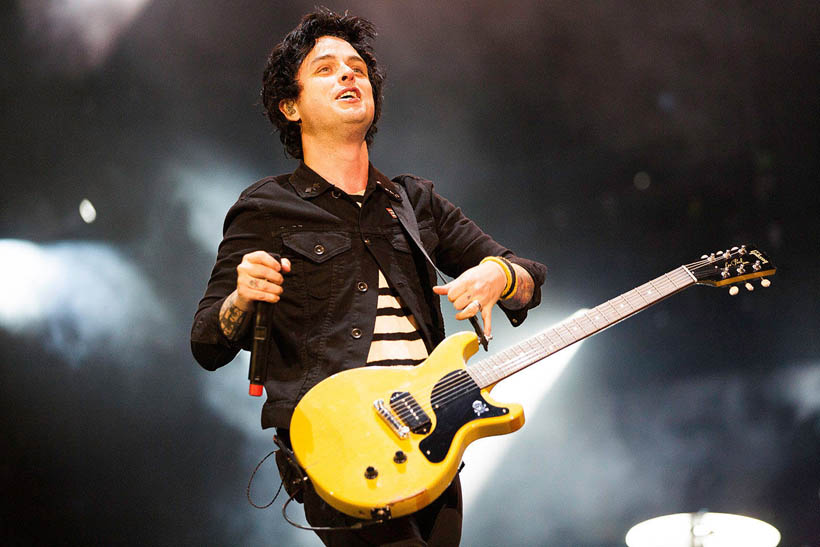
(733, 266)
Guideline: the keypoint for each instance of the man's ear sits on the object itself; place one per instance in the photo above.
(288, 109)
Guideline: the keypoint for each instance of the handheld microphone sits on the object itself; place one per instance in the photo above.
(257, 371)
(257, 368)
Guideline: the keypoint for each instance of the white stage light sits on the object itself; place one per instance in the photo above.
(703, 530)
(527, 388)
(80, 298)
(87, 211)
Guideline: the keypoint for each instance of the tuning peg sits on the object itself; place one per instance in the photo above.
(765, 283)
(733, 290)
(734, 249)
(749, 286)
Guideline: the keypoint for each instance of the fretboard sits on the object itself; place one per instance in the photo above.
(513, 359)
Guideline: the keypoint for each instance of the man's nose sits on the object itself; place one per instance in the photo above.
(347, 74)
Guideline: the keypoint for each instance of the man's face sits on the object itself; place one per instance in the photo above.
(336, 92)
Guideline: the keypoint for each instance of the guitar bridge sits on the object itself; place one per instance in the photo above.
(402, 431)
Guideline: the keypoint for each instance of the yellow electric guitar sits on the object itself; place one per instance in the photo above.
(383, 442)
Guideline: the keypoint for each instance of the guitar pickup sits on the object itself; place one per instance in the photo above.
(410, 412)
(402, 431)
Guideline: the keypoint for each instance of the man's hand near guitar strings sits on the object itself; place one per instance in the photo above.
(479, 288)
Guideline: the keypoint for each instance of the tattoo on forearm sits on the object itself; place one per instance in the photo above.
(523, 294)
(232, 320)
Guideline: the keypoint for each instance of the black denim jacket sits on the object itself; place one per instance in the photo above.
(324, 321)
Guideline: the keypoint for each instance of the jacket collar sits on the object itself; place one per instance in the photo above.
(309, 184)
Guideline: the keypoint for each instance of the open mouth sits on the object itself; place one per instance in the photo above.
(349, 94)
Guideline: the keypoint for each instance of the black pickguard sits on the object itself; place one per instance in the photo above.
(453, 400)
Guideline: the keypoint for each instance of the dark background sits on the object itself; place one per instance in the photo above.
(611, 140)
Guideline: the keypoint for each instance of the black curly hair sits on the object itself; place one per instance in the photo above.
(279, 81)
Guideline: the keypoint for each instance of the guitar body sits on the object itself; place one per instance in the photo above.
(356, 457)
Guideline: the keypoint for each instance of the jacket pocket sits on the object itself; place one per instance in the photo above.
(399, 240)
(313, 254)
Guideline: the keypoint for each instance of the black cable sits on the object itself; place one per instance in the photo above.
(355, 526)
(248, 489)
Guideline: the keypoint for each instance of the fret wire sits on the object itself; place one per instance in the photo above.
(567, 332)
(596, 314)
(556, 344)
(617, 314)
(602, 309)
(624, 301)
(652, 284)
(580, 322)
(638, 292)
(675, 277)
(558, 334)
(585, 318)
(638, 300)
(618, 309)
(663, 283)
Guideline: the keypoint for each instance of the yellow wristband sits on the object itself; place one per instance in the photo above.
(509, 287)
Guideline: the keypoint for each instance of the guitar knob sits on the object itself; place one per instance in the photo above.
(370, 472)
(765, 283)
(733, 290)
(399, 457)
(749, 287)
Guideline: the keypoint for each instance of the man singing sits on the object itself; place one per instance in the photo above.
(324, 245)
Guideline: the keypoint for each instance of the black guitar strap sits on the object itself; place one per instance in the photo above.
(407, 219)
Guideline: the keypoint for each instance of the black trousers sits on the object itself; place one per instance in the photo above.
(436, 525)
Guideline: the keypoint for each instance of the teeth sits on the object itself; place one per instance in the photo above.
(348, 95)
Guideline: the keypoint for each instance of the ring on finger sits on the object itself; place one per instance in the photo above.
(476, 303)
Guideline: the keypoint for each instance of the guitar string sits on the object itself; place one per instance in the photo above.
(461, 384)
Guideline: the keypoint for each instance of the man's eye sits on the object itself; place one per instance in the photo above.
(324, 69)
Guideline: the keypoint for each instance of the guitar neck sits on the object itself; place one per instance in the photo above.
(518, 357)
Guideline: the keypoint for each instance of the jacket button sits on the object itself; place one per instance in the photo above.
(367, 241)
(319, 249)
(336, 193)
(356, 333)
(362, 286)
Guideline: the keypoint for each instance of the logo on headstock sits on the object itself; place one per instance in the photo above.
(759, 256)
